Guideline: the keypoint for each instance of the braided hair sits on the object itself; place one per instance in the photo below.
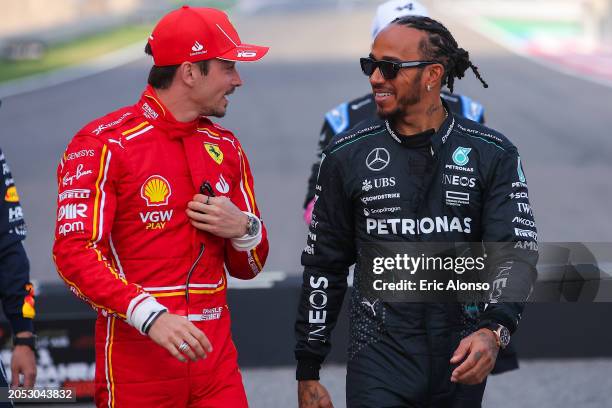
(441, 46)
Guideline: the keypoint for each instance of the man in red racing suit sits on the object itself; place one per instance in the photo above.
(133, 238)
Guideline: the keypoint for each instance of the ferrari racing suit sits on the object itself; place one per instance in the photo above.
(374, 187)
(124, 244)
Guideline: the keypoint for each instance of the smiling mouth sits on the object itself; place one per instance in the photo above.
(380, 97)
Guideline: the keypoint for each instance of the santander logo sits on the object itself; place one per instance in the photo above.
(197, 47)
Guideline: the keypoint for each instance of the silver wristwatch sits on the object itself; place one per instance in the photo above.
(252, 226)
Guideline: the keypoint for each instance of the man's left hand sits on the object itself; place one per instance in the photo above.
(23, 362)
(481, 350)
(217, 215)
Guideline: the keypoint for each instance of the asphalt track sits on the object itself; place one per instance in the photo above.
(559, 123)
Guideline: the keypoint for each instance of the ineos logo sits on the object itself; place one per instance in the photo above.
(378, 159)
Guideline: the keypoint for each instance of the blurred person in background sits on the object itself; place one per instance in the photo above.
(155, 202)
(16, 291)
(377, 182)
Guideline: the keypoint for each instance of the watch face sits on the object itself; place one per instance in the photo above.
(253, 227)
(504, 336)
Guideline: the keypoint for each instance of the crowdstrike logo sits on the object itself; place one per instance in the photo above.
(367, 199)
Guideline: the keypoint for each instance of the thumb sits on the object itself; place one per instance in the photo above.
(461, 351)
(14, 376)
(326, 403)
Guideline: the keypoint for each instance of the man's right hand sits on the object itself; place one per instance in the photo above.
(171, 330)
(311, 394)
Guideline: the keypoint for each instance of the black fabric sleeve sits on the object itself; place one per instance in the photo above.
(510, 238)
(326, 258)
(326, 135)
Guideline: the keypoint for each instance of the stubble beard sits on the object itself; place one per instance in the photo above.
(405, 102)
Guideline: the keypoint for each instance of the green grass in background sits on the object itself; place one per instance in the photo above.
(530, 28)
(77, 51)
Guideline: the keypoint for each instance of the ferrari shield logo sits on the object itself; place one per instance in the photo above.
(214, 152)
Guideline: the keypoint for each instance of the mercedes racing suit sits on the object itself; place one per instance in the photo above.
(346, 115)
(16, 292)
(399, 352)
(124, 244)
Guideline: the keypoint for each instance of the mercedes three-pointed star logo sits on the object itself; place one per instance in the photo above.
(378, 159)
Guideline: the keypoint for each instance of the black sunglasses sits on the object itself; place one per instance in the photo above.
(389, 69)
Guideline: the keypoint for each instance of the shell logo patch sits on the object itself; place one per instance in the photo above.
(11, 195)
(156, 191)
(214, 152)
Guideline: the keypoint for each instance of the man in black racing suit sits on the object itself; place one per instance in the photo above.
(388, 181)
(348, 114)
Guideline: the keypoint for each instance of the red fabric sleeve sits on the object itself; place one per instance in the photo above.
(247, 264)
(86, 206)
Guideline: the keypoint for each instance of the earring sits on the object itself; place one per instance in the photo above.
(428, 87)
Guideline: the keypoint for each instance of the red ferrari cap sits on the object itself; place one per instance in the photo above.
(197, 33)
